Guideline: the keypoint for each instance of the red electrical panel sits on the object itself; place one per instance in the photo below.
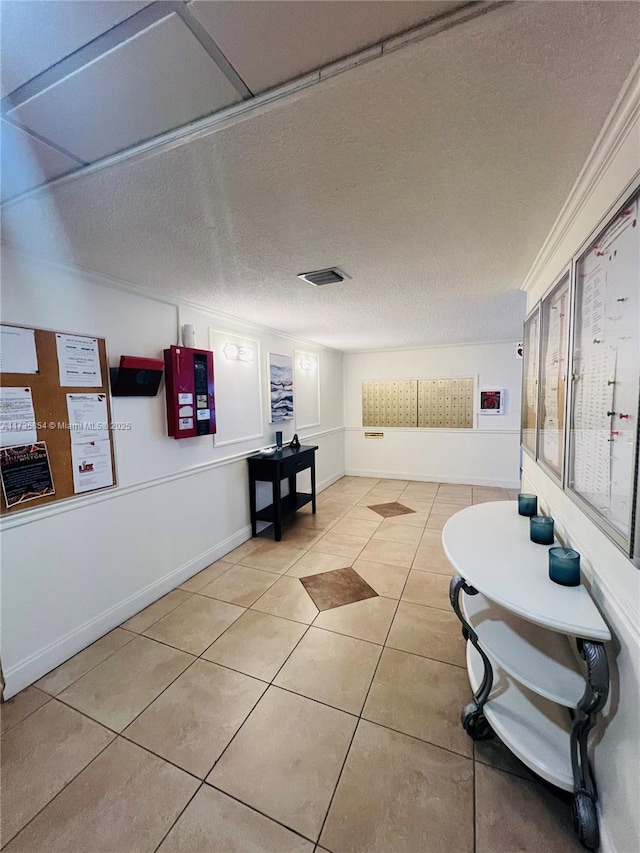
(191, 408)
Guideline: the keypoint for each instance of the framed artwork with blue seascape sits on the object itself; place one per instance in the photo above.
(281, 386)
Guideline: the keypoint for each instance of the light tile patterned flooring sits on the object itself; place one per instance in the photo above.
(231, 715)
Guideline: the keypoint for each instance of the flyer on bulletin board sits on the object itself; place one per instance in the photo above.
(18, 350)
(78, 361)
(26, 473)
(90, 442)
(17, 417)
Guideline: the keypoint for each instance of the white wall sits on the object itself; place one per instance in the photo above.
(74, 570)
(488, 455)
(614, 581)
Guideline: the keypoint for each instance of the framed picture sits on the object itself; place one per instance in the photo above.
(281, 387)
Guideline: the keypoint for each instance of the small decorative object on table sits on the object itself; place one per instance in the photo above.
(564, 566)
(295, 441)
(527, 504)
(541, 529)
(278, 440)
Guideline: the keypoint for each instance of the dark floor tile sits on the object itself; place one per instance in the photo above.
(388, 510)
(337, 588)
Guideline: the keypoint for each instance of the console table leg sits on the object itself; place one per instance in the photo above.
(473, 720)
(252, 506)
(277, 510)
(585, 817)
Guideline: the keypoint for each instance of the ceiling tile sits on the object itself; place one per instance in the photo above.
(268, 43)
(27, 162)
(36, 35)
(154, 82)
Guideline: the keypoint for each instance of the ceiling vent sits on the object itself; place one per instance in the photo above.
(319, 277)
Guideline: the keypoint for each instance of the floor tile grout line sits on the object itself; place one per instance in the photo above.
(57, 794)
(427, 657)
(4, 733)
(532, 777)
(335, 787)
(202, 781)
(195, 575)
(164, 689)
(166, 760)
(473, 801)
(257, 811)
(326, 816)
(252, 709)
(111, 654)
(179, 815)
(419, 739)
(175, 607)
(269, 684)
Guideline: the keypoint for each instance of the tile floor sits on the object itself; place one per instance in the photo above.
(234, 715)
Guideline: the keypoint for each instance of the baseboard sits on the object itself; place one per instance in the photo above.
(25, 672)
(411, 475)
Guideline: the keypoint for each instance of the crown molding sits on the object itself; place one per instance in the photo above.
(111, 282)
(621, 122)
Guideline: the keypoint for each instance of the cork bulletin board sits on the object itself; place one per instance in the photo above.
(56, 438)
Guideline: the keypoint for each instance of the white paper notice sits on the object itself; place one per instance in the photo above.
(592, 454)
(17, 417)
(18, 350)
(91, 465)
(90, 442)
(78, 361)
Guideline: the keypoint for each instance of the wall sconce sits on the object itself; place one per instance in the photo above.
(235, 352)
(308, 362)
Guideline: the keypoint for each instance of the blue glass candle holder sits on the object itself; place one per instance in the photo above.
(564, 566)
(527, 504)
(541, 529)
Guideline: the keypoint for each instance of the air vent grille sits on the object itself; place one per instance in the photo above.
(321, 277)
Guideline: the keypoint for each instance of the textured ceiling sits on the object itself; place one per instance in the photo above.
(431, 176)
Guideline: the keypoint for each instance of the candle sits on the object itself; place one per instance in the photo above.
(564, 566)
(541, 529)
(527, 504)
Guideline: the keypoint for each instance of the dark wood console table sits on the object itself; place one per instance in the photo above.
(273, 468)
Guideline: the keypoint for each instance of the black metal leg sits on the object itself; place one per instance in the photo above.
(474, 722)
(585, 817)
(277, 509)
(252, 505)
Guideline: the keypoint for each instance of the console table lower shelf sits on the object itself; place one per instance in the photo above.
(288, 505)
